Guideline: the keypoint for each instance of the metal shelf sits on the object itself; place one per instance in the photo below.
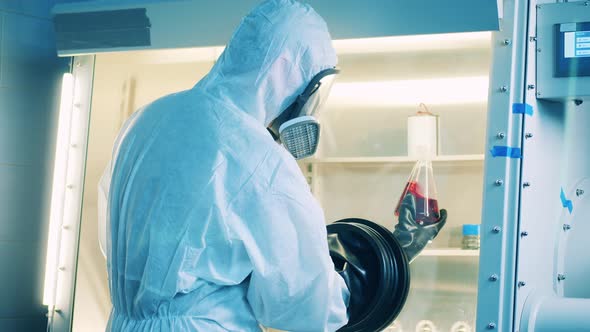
(450, 252)
(393, 160)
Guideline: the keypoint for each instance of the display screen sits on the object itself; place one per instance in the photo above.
(576, 44)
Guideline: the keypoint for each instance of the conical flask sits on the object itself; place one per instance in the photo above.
(422, 187)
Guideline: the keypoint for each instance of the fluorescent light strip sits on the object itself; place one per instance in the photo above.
(392, 44)
(442, 91)
(396, 44)
(58, 188)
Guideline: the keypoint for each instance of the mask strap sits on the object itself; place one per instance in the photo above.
(293, 110)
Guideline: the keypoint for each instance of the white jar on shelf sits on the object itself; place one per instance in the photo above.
(423, 134)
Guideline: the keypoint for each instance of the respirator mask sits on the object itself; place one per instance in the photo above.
(297, 128)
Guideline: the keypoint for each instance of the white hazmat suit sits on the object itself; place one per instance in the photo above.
(211, 224)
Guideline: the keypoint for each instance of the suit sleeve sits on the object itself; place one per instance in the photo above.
(293, 285)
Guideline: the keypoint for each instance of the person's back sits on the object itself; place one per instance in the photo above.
(170, 200)
(212, 225)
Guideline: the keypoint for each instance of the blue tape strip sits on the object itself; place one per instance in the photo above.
(506, 151)
(518, 108)
(566, 203)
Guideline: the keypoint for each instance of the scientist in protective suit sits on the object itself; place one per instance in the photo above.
(211, 224)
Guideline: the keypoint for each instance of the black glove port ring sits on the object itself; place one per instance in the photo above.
(380, 261)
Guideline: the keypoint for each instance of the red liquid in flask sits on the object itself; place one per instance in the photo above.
(427, 212)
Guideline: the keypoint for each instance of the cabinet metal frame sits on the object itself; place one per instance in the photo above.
(502, 175)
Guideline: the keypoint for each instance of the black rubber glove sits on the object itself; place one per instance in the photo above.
(349, 266)
(375, 269)
(412, 236)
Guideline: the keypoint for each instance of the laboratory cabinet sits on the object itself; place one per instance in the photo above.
(362, 163)
(511, 143)
(388, 68)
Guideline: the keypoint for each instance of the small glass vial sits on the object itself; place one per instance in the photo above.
(461, 326)
(471, 236)
(426, 326)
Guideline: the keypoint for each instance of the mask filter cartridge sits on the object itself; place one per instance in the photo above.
(300, 136)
